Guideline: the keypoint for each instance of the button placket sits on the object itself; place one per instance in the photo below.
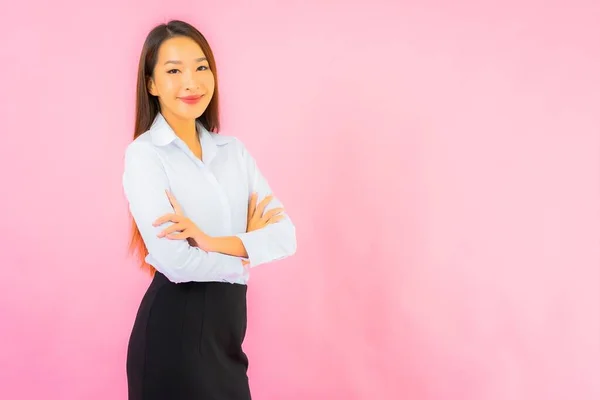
(222, 197)
(204, 168)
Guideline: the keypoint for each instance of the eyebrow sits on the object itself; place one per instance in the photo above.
(179, 62)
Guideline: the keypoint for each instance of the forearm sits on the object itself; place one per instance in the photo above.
(144, 183)
(229, 245)
(273, 242)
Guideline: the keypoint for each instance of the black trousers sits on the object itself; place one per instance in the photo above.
(186, 342)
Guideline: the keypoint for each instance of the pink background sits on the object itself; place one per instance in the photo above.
(441, 162)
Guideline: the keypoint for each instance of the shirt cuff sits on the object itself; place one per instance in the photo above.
(254, 244)
(234, 268)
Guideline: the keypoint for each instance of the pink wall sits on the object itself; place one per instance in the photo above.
(442, 164)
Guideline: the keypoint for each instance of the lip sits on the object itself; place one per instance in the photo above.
(191, 99)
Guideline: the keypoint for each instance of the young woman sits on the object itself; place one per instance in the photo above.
(203, 215)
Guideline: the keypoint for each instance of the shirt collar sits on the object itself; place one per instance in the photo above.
(162, 134)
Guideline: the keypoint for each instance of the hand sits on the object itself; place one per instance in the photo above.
(256, 218)
(188, 230)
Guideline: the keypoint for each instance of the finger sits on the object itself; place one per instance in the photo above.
(179, 236)
(167, 218)
(252, 205)
(273, 212)
(174, 203)
(261, 206)
(275, 219)
(180, 227)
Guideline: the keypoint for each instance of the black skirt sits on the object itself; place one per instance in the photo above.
(186, 342)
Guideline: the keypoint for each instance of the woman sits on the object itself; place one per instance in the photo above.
(203, 215)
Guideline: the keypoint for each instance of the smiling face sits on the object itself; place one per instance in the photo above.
(182, 79)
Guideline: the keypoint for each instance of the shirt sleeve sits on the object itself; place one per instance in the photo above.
(144, 183)
(275, 241)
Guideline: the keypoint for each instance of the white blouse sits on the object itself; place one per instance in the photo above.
(213, 192)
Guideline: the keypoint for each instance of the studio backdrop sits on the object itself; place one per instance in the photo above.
(441, 162)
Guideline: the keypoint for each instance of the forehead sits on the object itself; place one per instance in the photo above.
(179, 48)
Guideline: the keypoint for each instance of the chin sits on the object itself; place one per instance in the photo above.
(192, 112)
(196, 110)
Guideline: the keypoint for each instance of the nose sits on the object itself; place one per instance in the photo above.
(189, 82)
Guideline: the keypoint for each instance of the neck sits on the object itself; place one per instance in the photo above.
(185, 129)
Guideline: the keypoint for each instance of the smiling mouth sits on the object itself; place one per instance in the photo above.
(191, 99)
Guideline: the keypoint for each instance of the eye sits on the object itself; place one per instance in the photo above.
(172, 71)
(202, 68)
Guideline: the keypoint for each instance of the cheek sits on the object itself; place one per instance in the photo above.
(209, 81)
(172, 87)
(167, 87)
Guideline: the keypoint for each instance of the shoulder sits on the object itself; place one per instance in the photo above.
(141, 150)
(237, 147)
(229, 141)
(222, 139)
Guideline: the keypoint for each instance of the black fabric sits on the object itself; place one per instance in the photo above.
(186, 342)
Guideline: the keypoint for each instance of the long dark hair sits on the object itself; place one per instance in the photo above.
(147, 106)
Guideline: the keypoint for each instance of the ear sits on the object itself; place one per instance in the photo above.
(151, 87)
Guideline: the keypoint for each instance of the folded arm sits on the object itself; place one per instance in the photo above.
(144, 183)
(275, 241)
